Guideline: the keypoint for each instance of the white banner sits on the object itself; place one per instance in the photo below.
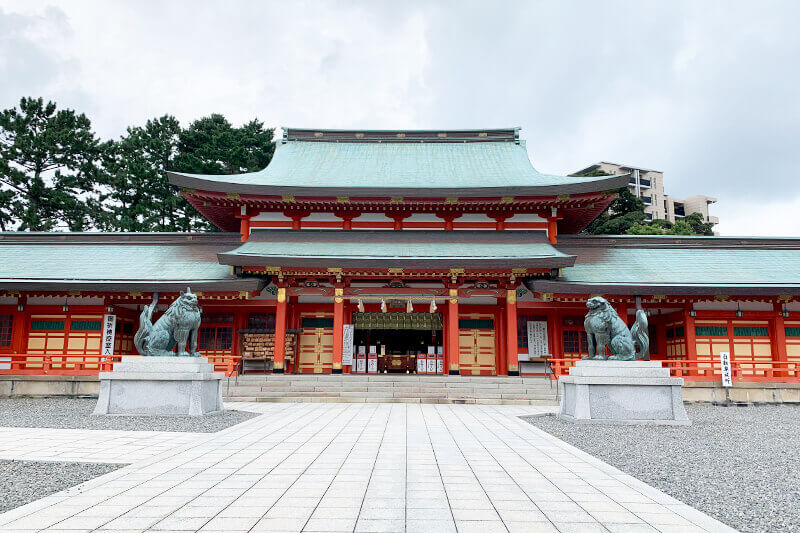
(725, 369)
(537, 339)
(109, 325)
(347, 345)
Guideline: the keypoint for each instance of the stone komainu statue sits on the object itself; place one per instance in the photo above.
(605, 328)
(177, 326)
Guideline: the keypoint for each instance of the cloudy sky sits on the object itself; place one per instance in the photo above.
(706, 91)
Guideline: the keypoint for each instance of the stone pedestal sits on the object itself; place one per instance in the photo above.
(160, 386)
(621, 392)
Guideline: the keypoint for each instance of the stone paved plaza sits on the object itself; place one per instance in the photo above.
(344, 467)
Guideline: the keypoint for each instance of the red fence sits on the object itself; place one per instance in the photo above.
(86, 365)
(709, 370)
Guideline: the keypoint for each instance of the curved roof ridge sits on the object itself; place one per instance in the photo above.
(399, 169)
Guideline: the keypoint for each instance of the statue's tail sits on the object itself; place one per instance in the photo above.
(641, 336)
(145, 325)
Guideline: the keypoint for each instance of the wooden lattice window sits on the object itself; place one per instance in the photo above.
(575, 342)
(750, 331)
(261, 321)
(316, 322)
(475, 323)
(711, 331)
(6, 326)
(215, 338)
(792, 331)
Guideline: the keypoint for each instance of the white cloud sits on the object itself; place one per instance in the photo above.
(705, 91)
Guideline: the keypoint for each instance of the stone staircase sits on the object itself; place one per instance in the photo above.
(395, 388)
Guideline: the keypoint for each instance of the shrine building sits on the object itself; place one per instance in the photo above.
(430, 252)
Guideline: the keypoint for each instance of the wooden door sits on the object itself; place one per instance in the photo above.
(476, 345)
(315, 353)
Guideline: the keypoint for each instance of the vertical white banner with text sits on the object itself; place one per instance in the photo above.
(109, 326)
(725, 369)
(347, 345)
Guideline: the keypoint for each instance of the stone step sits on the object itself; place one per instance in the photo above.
(483, 380)
(348, 399)
(405, 388)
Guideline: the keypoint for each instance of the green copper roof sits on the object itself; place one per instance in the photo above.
(385, 249)
(678, 265)
(117, 262)
(413, 167)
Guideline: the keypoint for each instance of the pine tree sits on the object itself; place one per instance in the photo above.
(48, 168)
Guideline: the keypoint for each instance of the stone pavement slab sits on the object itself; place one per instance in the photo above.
(359, 467)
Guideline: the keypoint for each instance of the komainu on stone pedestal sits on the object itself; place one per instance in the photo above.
(604, 328)
(177, 327)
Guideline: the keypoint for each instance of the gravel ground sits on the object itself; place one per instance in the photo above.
(27, 481)
(737, 464)
(76, 413)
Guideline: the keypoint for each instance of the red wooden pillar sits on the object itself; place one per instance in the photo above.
(347, 219)
(778, 339)
(661, 337)
(691, 343)
(279, 357)
(398, 219)
(297, 218)
(622, 311)
(448, 219)
(500, 221)
(501, 363)
(511, 333)
(20, 327)
(552, 229)
(452, 334)
(338, 329)
(244, 227)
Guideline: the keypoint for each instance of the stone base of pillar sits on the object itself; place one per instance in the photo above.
(159, 386)
(277, 371)
(621, 392)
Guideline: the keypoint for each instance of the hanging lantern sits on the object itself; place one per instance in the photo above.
(433, 306)
(360, 306)
(409, 307)
(383, 305)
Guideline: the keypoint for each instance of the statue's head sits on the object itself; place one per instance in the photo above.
(597, 303)
(188, 299)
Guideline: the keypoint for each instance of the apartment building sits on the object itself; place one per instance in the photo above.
(648, 185)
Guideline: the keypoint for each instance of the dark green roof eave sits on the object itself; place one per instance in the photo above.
(241, 284)
(682, 289)
(469, 249)
(220, 184)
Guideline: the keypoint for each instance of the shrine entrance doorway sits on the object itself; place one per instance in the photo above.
(399, 341)
(477, 347)
(315, 346)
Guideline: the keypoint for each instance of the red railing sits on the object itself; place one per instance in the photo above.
(709, 370)
(86, 365)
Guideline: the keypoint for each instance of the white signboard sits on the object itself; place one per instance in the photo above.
(537, 338)
(725, 369)
(109, 325)
(347, 345)
(431, 365)
(361, 365)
